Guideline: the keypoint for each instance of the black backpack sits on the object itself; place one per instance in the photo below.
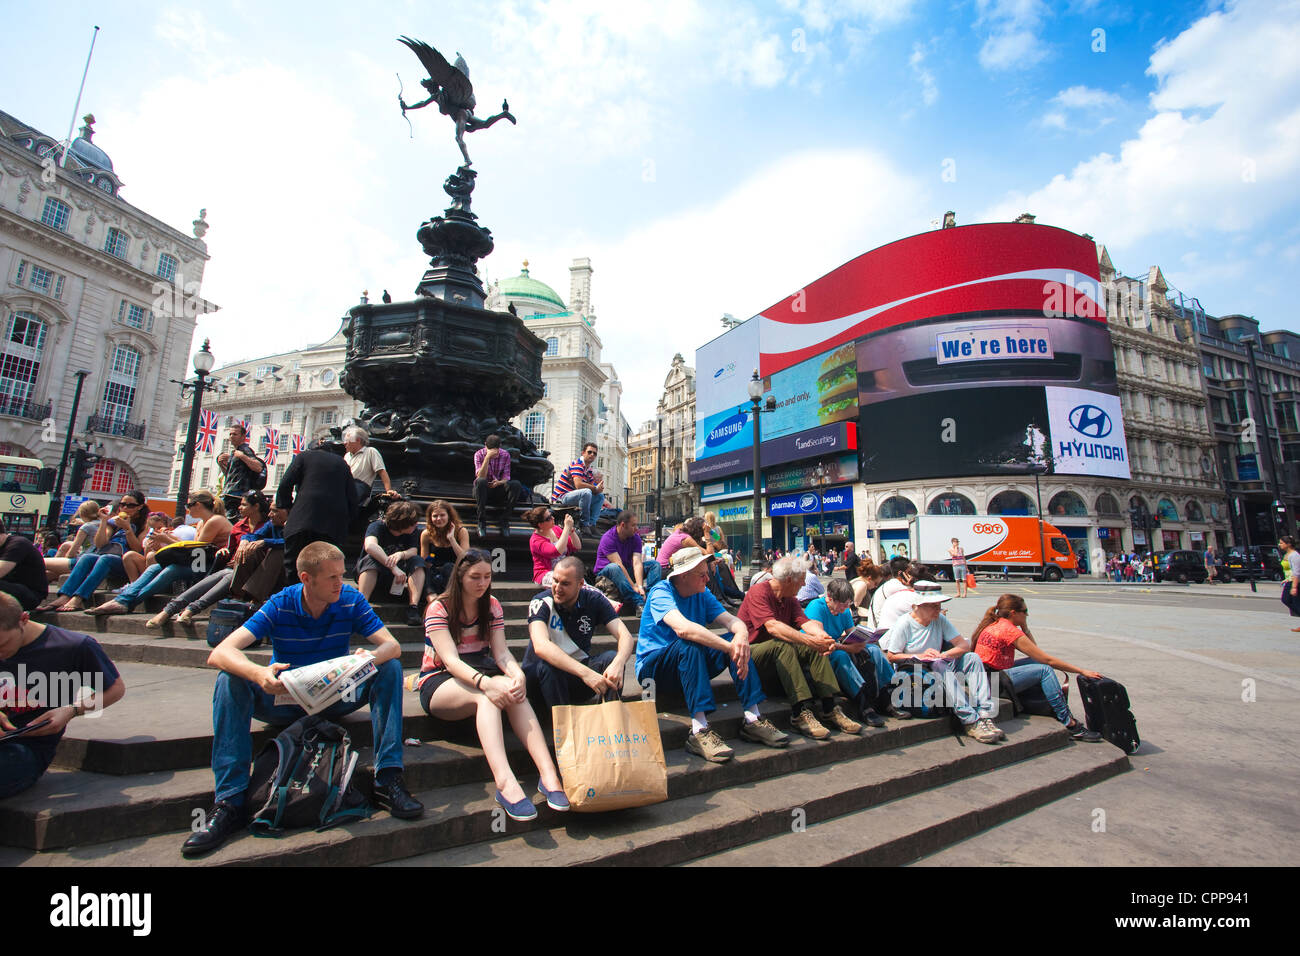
(303, 778)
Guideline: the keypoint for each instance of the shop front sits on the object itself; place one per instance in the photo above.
(806, 519)
(1077, 535)
(1111, 539)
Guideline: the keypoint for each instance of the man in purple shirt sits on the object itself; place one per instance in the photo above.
(618, 557)
(492, 477)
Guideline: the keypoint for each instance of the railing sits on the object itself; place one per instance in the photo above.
(115, 426)
(24, 409)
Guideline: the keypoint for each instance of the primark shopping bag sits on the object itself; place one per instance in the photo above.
(610, 755)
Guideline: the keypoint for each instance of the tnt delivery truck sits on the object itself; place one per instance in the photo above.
(994, 544)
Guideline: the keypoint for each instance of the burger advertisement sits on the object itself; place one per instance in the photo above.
(819, 391)
(837, 385)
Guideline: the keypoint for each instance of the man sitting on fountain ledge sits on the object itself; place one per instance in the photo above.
(307, 623)
(679, 653)
(576, 486)
(492, 480)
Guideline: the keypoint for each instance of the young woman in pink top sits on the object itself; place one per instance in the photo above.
(548, 545)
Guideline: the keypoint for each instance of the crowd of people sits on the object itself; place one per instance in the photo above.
(830, 650)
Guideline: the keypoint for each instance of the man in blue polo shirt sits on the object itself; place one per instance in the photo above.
(307, 623)
(678, 651)
(558, 662)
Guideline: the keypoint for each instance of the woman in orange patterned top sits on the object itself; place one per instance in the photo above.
(467, 671)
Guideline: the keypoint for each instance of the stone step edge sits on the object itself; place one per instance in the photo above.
(839, 841)
(738, 815)
(688, 776)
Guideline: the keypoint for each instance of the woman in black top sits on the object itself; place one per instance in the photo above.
(443, 540)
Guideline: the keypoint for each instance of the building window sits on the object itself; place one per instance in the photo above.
(41, 280)
(283, 443)
(951, 504)
(20, 360)
(327, 418)
(546, 390)
(535, 428)
(287, 417)
(266, 418)
(279, 469)
(203, 477)
(552, 346)
(895, 508)
(130, 314)
(125, 483)
(116, 243)
(55, 214)
(167, 267)
(101, 476)
(176, 481)
(119, 392)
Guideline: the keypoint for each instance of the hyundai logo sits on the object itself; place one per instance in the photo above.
(718, 372)
(1090, 420)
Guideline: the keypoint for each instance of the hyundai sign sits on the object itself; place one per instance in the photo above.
(1087, 433)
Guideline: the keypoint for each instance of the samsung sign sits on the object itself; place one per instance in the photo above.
(725, 430)
(836, 437)
(837, 499)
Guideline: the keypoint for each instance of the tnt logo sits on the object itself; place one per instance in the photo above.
(1091, 421)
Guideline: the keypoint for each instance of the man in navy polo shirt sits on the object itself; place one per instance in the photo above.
(558, 662)
(48, 676)
(618, 557)
(307, 623)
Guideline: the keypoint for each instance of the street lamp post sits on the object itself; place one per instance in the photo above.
(56, 502)
(819, 480)
(756, 399)
(203, 363)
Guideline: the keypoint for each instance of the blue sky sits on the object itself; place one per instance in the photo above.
(707, 157)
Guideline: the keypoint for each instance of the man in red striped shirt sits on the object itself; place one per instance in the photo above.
(575, 486)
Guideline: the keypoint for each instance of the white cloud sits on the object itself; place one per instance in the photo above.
(929, 89)
(1096, 106)
(1083, 97)
(1012, 38)
(825, 15)
(1221, 152)
(663, 287)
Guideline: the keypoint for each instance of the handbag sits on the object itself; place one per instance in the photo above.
(970, 580)
(183, 552)
(610, 755)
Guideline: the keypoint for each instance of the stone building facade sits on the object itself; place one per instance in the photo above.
(582, 398)
(93, 289)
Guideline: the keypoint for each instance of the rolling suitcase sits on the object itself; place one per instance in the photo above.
(1106, 709)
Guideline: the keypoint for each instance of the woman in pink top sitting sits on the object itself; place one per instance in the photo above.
(1005, 630)
(689, 535)
(547, 545)
(467, 671)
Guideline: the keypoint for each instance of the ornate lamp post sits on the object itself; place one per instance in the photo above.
(755, 388)
(203, 364)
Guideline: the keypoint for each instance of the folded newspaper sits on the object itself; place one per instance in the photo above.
(314, 687)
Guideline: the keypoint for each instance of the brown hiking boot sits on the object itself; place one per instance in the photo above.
(842, 721)
(763, 731)
(983, 731)
(806, 723)
(709, 745)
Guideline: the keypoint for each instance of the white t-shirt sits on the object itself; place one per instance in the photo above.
(895, 607)
(909, 637)
(365, 464)
(185, 532)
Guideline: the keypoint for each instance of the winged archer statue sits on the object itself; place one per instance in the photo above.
(449, 86)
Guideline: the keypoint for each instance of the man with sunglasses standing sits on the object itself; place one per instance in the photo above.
(240, 465)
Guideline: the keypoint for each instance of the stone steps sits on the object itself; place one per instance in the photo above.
(690, 826)
(906, 830)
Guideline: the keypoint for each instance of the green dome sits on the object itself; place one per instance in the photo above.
(523, 286)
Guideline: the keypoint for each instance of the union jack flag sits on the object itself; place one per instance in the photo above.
(246, 424)
(207, 437)
(270, 444)
(299, 445)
